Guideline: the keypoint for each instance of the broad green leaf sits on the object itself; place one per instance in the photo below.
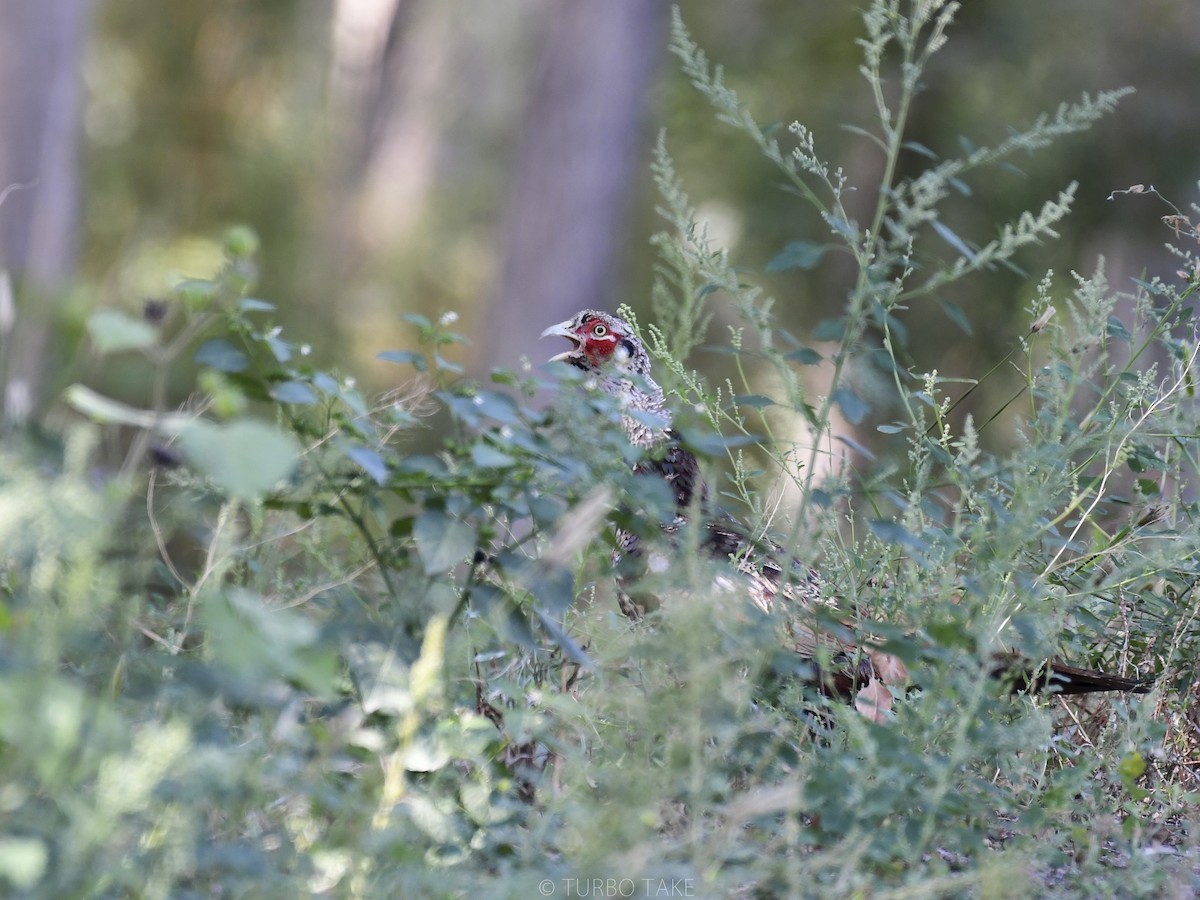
(1116, 329)
(370, 461)
(829, 330)
(425, 755)
(853, 407)
(895, 533)
(806, 356)
(797, 255)
(251, 304)
(486, 456)
(221, 355)
(435, 823)
(417, 319)
(113, 331)
(23, 861)
(442, 541)
(295, 392)
(107, 411)
(380, 676)
(197, 294)
(255, 641)
(409, 357)
(500, 407)
(280, 349)
(553, 586)
(246, 458)
(323, 381)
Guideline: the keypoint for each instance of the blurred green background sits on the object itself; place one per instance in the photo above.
(492, 159)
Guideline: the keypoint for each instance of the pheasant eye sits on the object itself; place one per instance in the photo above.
(600, 330)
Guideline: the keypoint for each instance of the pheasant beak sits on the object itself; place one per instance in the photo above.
(563, 329)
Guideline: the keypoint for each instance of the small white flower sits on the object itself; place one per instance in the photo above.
(449, 317)
(305, 349)
(351, 383)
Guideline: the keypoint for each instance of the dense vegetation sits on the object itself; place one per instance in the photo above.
(281, 651)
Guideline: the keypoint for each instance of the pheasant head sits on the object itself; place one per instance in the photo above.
(609, 350)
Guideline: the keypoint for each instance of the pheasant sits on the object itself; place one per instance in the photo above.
(610, 352)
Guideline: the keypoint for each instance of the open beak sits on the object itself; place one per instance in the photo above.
(563, 329)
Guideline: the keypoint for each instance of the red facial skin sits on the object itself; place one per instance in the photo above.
(597, 340)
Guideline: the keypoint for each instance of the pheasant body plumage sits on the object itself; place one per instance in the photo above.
(610, 352)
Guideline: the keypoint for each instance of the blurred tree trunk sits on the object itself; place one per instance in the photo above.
(41, 45)
(577, 166)
(386, 53)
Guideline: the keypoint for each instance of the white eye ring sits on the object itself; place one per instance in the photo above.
(600, 330)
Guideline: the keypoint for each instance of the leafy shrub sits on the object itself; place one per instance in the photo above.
(301, 655)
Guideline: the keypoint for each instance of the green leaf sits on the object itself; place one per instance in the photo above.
(245, 458)
(916, 147)
(829, 330)
(1116, 329)
(564, 640)
(221, 355)
(380, 676)
(256, 641)
(754, 401)
(280, 349)
(854, 445)
(853, 407)
(113, 331)
(797, 255)
(294, 392)
(442, 541)
(953, 240)
(23, 861)
(370, 461)
(323, 381)
(425, 755)
(1148, 487)
(554, 588)
(956, 315)
(806, 356)
(1132, 767)
(409, 357)
(197, 293)
(710, 444)
(105, 410)
(250, 304)
(895, 533)
(424, 464)
(435, 823)
(486, 456)
(417, 319)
